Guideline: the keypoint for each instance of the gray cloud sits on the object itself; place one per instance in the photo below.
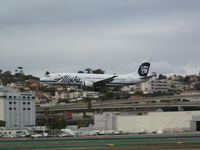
(116, 35)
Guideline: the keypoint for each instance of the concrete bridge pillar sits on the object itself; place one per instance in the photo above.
(180, 108)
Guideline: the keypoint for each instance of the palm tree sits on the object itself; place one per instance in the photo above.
(20, 69)
(88, 70)
(47, 73)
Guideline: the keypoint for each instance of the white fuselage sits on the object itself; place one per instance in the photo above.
(89, 80)
(81, 78)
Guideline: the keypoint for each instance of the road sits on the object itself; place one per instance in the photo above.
(153, 102)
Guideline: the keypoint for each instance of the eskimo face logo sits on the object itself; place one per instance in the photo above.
(144, 69)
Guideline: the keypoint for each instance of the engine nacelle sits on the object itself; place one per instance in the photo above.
(88, 83)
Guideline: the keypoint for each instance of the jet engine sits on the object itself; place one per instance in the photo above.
(88, 83)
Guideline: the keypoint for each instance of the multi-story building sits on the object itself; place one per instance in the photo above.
(70, 95)
(151, 86)
(155, 85)
(17, 109)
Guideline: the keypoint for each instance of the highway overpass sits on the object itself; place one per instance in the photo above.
(176, 102)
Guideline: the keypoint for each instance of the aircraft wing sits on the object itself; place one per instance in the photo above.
(104, 81)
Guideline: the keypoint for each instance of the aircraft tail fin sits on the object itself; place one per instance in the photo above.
(143, 69)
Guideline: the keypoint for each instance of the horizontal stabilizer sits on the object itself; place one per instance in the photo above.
(148, 77)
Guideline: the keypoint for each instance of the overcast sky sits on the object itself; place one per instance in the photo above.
(115, 35)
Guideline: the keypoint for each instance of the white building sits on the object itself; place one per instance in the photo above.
(105, 122)
(70, 95)
(17, 109)
(151, 86)
(155, 85)
(152, 122)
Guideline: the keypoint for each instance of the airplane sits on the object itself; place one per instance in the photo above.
(98, 80)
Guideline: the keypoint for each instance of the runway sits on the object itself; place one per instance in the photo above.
(139, 142)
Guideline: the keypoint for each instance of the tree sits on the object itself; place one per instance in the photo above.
(2, 123)
(162, 77)
(47, 73)
(88, 70)
(7, 73)
(187, 79)
(58, 123)
(7, 77)
(138, 93)
(80, 71)
(82, 124)
(41, 122)
(98, 71)
(32, 77)
(20, 76)
(20, 68)
(46, 110)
